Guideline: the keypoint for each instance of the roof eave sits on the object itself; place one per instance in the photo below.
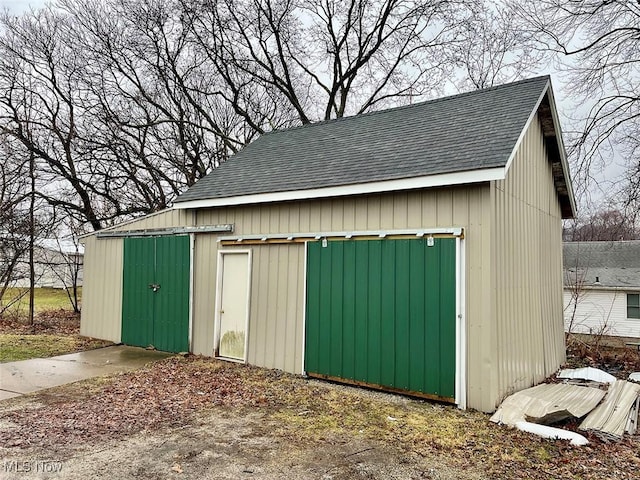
(427, 181)
(555, 146)
(561, 172)
(609, 288)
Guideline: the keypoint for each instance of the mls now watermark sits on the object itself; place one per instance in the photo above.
(31, 466)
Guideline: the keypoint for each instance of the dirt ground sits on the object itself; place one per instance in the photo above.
(222, 445)
(220, 442)
(198, 418)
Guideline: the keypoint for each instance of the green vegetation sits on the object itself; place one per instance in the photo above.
(45, 299)
(22, 347)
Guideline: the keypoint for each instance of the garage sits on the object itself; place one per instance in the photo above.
(382, 313)
(415, 249)
(155, 294)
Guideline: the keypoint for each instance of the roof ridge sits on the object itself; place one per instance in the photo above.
(413, 105)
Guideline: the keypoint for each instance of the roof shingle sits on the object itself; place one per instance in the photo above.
(615, 264)
(470, 131)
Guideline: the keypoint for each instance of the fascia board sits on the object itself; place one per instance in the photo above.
(428, 181)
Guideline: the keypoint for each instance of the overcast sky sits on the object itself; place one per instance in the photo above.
(566, 104)
(17, 6)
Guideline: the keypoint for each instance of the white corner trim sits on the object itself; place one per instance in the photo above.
(524, 131)
(427, 181)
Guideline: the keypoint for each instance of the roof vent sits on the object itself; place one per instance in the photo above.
(597, 282)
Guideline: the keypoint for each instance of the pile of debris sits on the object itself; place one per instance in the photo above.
(609, 406)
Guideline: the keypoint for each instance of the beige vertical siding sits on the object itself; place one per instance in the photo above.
(205, 261)
(277, 303)
(513, 270)
(102, 287)
(527, 273)
(277, 306)
(163, 219)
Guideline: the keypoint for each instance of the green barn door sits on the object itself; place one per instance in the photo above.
(382, 313)
(155, 299)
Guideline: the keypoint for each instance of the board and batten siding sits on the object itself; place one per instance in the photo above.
(103, 267)
(599, 312)
(276, 320)
(526, 281)
(102, 289)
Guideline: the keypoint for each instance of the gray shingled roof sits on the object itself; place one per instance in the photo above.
(471, 131)
(616, 264)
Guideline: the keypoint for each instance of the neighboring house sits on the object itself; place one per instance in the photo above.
(416, 249)
(602, 288)
(58, 263)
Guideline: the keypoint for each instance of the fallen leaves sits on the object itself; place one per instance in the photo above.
(309, 414)
(163, 394)
(54, 322)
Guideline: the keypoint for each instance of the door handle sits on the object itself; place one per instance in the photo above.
(154, 286)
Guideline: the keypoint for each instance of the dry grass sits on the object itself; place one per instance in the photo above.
(308, 414)
(46, 299)
(52, 333)
(15, 347)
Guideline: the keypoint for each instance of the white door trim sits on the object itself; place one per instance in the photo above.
(304, 309)
(461, 327)
(219, 287)
(460, 319)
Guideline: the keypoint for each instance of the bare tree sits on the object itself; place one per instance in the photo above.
(24, 219)
(163, 91)
(598, 44)
(604, 225)
(299, 61)
(113, 126)
(492, 48)
(38, 93)
(13, 220)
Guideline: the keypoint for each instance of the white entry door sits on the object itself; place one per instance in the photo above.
(234, 277)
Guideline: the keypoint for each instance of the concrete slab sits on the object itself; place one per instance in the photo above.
(28, 376)
(4, 395)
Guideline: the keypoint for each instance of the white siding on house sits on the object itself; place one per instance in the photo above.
(599, 312)
(53, 269)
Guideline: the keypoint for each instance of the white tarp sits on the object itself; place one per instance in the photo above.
(587, 373)
(552, 433)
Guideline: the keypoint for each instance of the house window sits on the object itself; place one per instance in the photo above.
(633, 305)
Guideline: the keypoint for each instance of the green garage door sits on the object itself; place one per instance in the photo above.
(155, 299)
(382, 313)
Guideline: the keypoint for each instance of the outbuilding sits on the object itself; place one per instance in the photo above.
(416, 249)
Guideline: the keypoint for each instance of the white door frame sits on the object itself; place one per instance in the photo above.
(461, 319)
(461, 326)
(219, 287)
